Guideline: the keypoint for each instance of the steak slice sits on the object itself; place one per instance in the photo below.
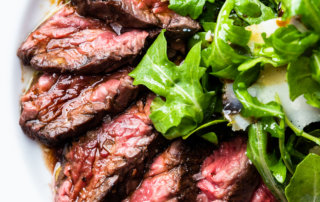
(99, 161)
(263, 194)
(139, 14)
(228, 174)
(58, 107)
(67, 42)
(170, 177)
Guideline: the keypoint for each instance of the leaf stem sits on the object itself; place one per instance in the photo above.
(301, 133)
(205, 126)
(283, 150)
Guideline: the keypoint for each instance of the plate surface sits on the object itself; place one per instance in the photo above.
(23, 173)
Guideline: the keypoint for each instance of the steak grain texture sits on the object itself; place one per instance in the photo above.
(101, 160)
(59, 107)
(68, 42)
(139, 14)
(227, 174)
(170, 176)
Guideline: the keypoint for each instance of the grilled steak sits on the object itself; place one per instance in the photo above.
(99, 161)
(227, 174)
(139, 14)
(170, 177)
(263, 194)
(67, 42)
(58, 107)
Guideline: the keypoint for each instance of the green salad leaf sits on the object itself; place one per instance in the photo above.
(253, 11)
(193, 8)
(313, 99)
(229, 45)
(284, 45)
(183, 102)
(251, 105)
(288, 43)
(267, 164)
(305, 183)
(307, 10)
(300, 78)
(315, 66)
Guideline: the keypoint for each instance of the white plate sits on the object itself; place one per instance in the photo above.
(23, 174)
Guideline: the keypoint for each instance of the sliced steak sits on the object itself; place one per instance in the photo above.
(263, 194)
(139, 14)
(170, 177)
(99, 161)
(67, 42)
(228, 174)
(58, 107)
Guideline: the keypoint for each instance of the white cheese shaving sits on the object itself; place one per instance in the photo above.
(273, 81)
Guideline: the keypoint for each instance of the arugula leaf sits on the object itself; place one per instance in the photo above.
(280, 48)
(284, 152)
(229, 46)
(288, 43)
(251, 105)
(305, 183)
(307, 10)
(300, 79)
(313, 99)
(253, 11)
(186, 102)
(193, 8)
(253, 62)
(315, 66)
(209, 26)
(290, 147)
(263, 161)
(229, 49)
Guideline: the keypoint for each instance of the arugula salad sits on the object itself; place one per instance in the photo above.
(267, 52)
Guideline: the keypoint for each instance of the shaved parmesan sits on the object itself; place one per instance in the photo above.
(272, 82)
(268, 27)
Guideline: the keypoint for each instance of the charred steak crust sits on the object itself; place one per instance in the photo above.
(139, 14)
(68, 42)
(170, 176)
(227, 174)
(132, 179)
(100, 160)
(59, 107)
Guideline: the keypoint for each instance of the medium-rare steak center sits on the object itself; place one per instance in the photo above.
(170, 176)
(227, 174)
